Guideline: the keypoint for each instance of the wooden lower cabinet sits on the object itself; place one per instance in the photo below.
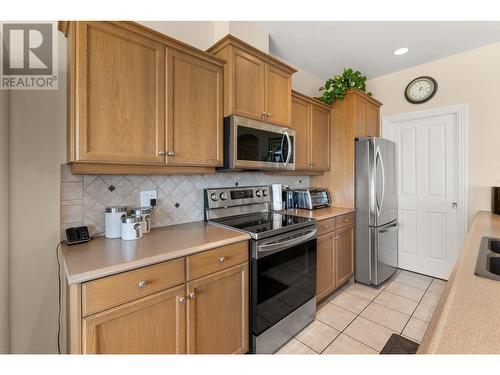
(218, 312)
(152, 325)
(335, 257)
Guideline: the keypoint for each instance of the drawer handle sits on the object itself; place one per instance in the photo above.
(182, 300)
(192, 295)
(142, 284)
(222, 259)
(326, 226)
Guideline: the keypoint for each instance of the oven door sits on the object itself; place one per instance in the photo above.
(283, 277)
(259, 145)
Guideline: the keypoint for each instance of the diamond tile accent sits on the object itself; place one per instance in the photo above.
(187, 190)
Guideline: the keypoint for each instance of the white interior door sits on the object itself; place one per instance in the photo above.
(428, 192)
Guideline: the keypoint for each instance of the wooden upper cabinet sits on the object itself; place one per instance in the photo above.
(373, 120)
(195, 106)
(256, 85)
(367, 118)
(247, 96)
(150, 325)
(361, 111)
(301, 117)
(311, 121)
(141, 102)
(320, 133)
(218, 312)
(278, 95)
(120, 95)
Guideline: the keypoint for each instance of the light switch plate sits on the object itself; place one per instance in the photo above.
(146, 197)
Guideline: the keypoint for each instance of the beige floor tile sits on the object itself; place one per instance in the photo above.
(414, 279)
(295, 347)
(439, 281)
(437, 287)
(335, 316)
(431, 299)
(385, 316)
(351, 302)
(404, 290)
(369, 333)
(364, 291)
(347, 345)
(424, 312)
(415, 329)
(399, 303)
(317, 335)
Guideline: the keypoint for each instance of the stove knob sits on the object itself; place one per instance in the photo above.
(258, 193)
(264, 193)
(213, 197)
(223, 196)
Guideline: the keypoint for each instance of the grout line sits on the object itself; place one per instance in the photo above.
(416, 307)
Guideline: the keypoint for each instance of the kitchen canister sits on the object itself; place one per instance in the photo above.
(131, 227)
(113, 221)
(145, 212)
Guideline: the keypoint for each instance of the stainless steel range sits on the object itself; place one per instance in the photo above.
(282, 262)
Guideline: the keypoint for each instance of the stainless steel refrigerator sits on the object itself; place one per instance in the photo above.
(376, 210)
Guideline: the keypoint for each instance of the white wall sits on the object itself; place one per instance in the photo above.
(471, 77)
(37, 143)
(199, 34)
(4, 223)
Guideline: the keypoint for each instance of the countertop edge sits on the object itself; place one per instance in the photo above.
(113, 270)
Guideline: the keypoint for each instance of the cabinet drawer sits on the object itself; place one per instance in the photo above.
(344, 221)
(326, 226)
(114, 290)
(211, 261)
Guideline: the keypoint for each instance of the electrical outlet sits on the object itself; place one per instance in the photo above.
(146, 197)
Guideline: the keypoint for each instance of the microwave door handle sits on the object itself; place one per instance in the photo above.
(289, 148)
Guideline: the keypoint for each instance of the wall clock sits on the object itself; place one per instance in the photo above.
(421, 90)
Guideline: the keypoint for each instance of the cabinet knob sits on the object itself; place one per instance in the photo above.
(142, 284)
(161, 153)
(269, 114)
(182, 299)
(222, 259)
(192, 295)
(170, 153)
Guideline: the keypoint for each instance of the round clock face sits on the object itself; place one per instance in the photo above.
(420, 90)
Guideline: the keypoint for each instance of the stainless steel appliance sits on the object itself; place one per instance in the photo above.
(376, 210)
(282, 263)
(311, 198)
(251, 144)
(287, 196)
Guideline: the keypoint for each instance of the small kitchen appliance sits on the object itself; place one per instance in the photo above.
(311, 198)
(282, 262)
(113, 221)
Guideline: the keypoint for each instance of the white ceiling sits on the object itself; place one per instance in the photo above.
(325, 48)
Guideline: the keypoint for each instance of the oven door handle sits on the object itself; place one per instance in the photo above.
(287, 243)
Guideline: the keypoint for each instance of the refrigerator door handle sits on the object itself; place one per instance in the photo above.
(378, 159)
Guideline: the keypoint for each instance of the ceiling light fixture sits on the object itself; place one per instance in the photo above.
(400, 51)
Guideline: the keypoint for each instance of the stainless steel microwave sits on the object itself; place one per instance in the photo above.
(256, 145)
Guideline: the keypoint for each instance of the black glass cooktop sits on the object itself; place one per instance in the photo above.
(265, 224)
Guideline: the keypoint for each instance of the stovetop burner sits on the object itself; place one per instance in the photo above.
(264, 224)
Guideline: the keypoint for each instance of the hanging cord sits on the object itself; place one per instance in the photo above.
(59, 296)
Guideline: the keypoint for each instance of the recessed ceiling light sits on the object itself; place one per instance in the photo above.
(400, 51)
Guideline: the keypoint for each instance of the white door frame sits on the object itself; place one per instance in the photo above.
(461, 112)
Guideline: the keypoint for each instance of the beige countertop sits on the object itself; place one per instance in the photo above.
(467, 319)
(320, 213)
(102, 256)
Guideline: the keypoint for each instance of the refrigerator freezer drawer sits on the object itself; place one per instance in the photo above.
(384, 252)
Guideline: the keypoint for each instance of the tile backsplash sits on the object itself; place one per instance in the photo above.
(180, 197)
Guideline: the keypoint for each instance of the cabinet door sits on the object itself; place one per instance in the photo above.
(301, 118)
(278, 96)
(151, 325)
(320, 130)
(344, 255)
(372, 121)
(195, 111)
(120, 90)
(325, 267)
(218, 312)
(247, 89)
(361, 113)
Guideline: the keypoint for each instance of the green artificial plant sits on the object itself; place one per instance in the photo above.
(336, 87)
